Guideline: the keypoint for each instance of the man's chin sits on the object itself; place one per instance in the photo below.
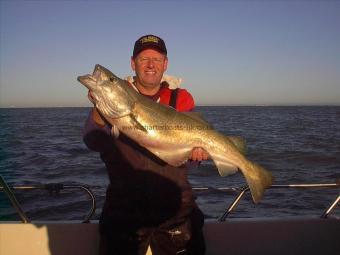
(151, 83)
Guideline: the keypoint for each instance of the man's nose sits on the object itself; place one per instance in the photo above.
(150, 63)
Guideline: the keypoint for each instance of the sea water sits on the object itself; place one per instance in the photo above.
(298, 144)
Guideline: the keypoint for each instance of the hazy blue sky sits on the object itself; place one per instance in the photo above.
(227, 52)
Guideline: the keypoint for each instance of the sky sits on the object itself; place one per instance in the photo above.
(227, 52)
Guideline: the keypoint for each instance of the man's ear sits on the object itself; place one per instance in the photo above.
(133, 64)
(165, 64)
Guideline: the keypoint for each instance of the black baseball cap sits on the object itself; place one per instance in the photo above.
(147, 42)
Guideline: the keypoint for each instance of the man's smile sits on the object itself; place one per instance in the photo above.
(150, 72)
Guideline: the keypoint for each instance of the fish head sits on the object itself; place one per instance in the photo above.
(108, 92)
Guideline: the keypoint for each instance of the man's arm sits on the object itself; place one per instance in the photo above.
(97, 133)
(97, 118)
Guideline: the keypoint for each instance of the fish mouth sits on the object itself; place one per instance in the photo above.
(87, 80)
(91, 80)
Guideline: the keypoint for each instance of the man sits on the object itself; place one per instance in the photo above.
(148, 202)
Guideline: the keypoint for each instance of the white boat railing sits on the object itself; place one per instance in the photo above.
(14, 201)
(243, 190)
(57, 187)
(51, 188)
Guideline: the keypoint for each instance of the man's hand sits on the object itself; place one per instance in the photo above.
(90, 97)
(198, 154)
(95, 114)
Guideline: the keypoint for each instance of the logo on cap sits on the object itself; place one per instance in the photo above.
(149, 38)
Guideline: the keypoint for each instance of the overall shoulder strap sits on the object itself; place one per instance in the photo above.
(173, 98)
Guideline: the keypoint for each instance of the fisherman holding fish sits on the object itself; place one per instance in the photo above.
(148, 202)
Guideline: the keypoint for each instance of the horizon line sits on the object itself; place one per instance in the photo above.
(199, 105)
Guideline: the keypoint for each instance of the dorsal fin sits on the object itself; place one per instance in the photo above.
(238, 141)
(199, 117)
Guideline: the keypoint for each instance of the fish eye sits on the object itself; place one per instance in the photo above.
(113, 79)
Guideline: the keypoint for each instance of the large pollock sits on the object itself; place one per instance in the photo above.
(168, 134)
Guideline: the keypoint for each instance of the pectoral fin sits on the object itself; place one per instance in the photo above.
(135, 124)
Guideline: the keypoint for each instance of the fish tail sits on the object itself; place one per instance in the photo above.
(258, 180)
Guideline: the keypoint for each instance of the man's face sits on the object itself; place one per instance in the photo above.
(149, 66)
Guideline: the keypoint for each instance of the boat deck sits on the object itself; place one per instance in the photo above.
(234, 236)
